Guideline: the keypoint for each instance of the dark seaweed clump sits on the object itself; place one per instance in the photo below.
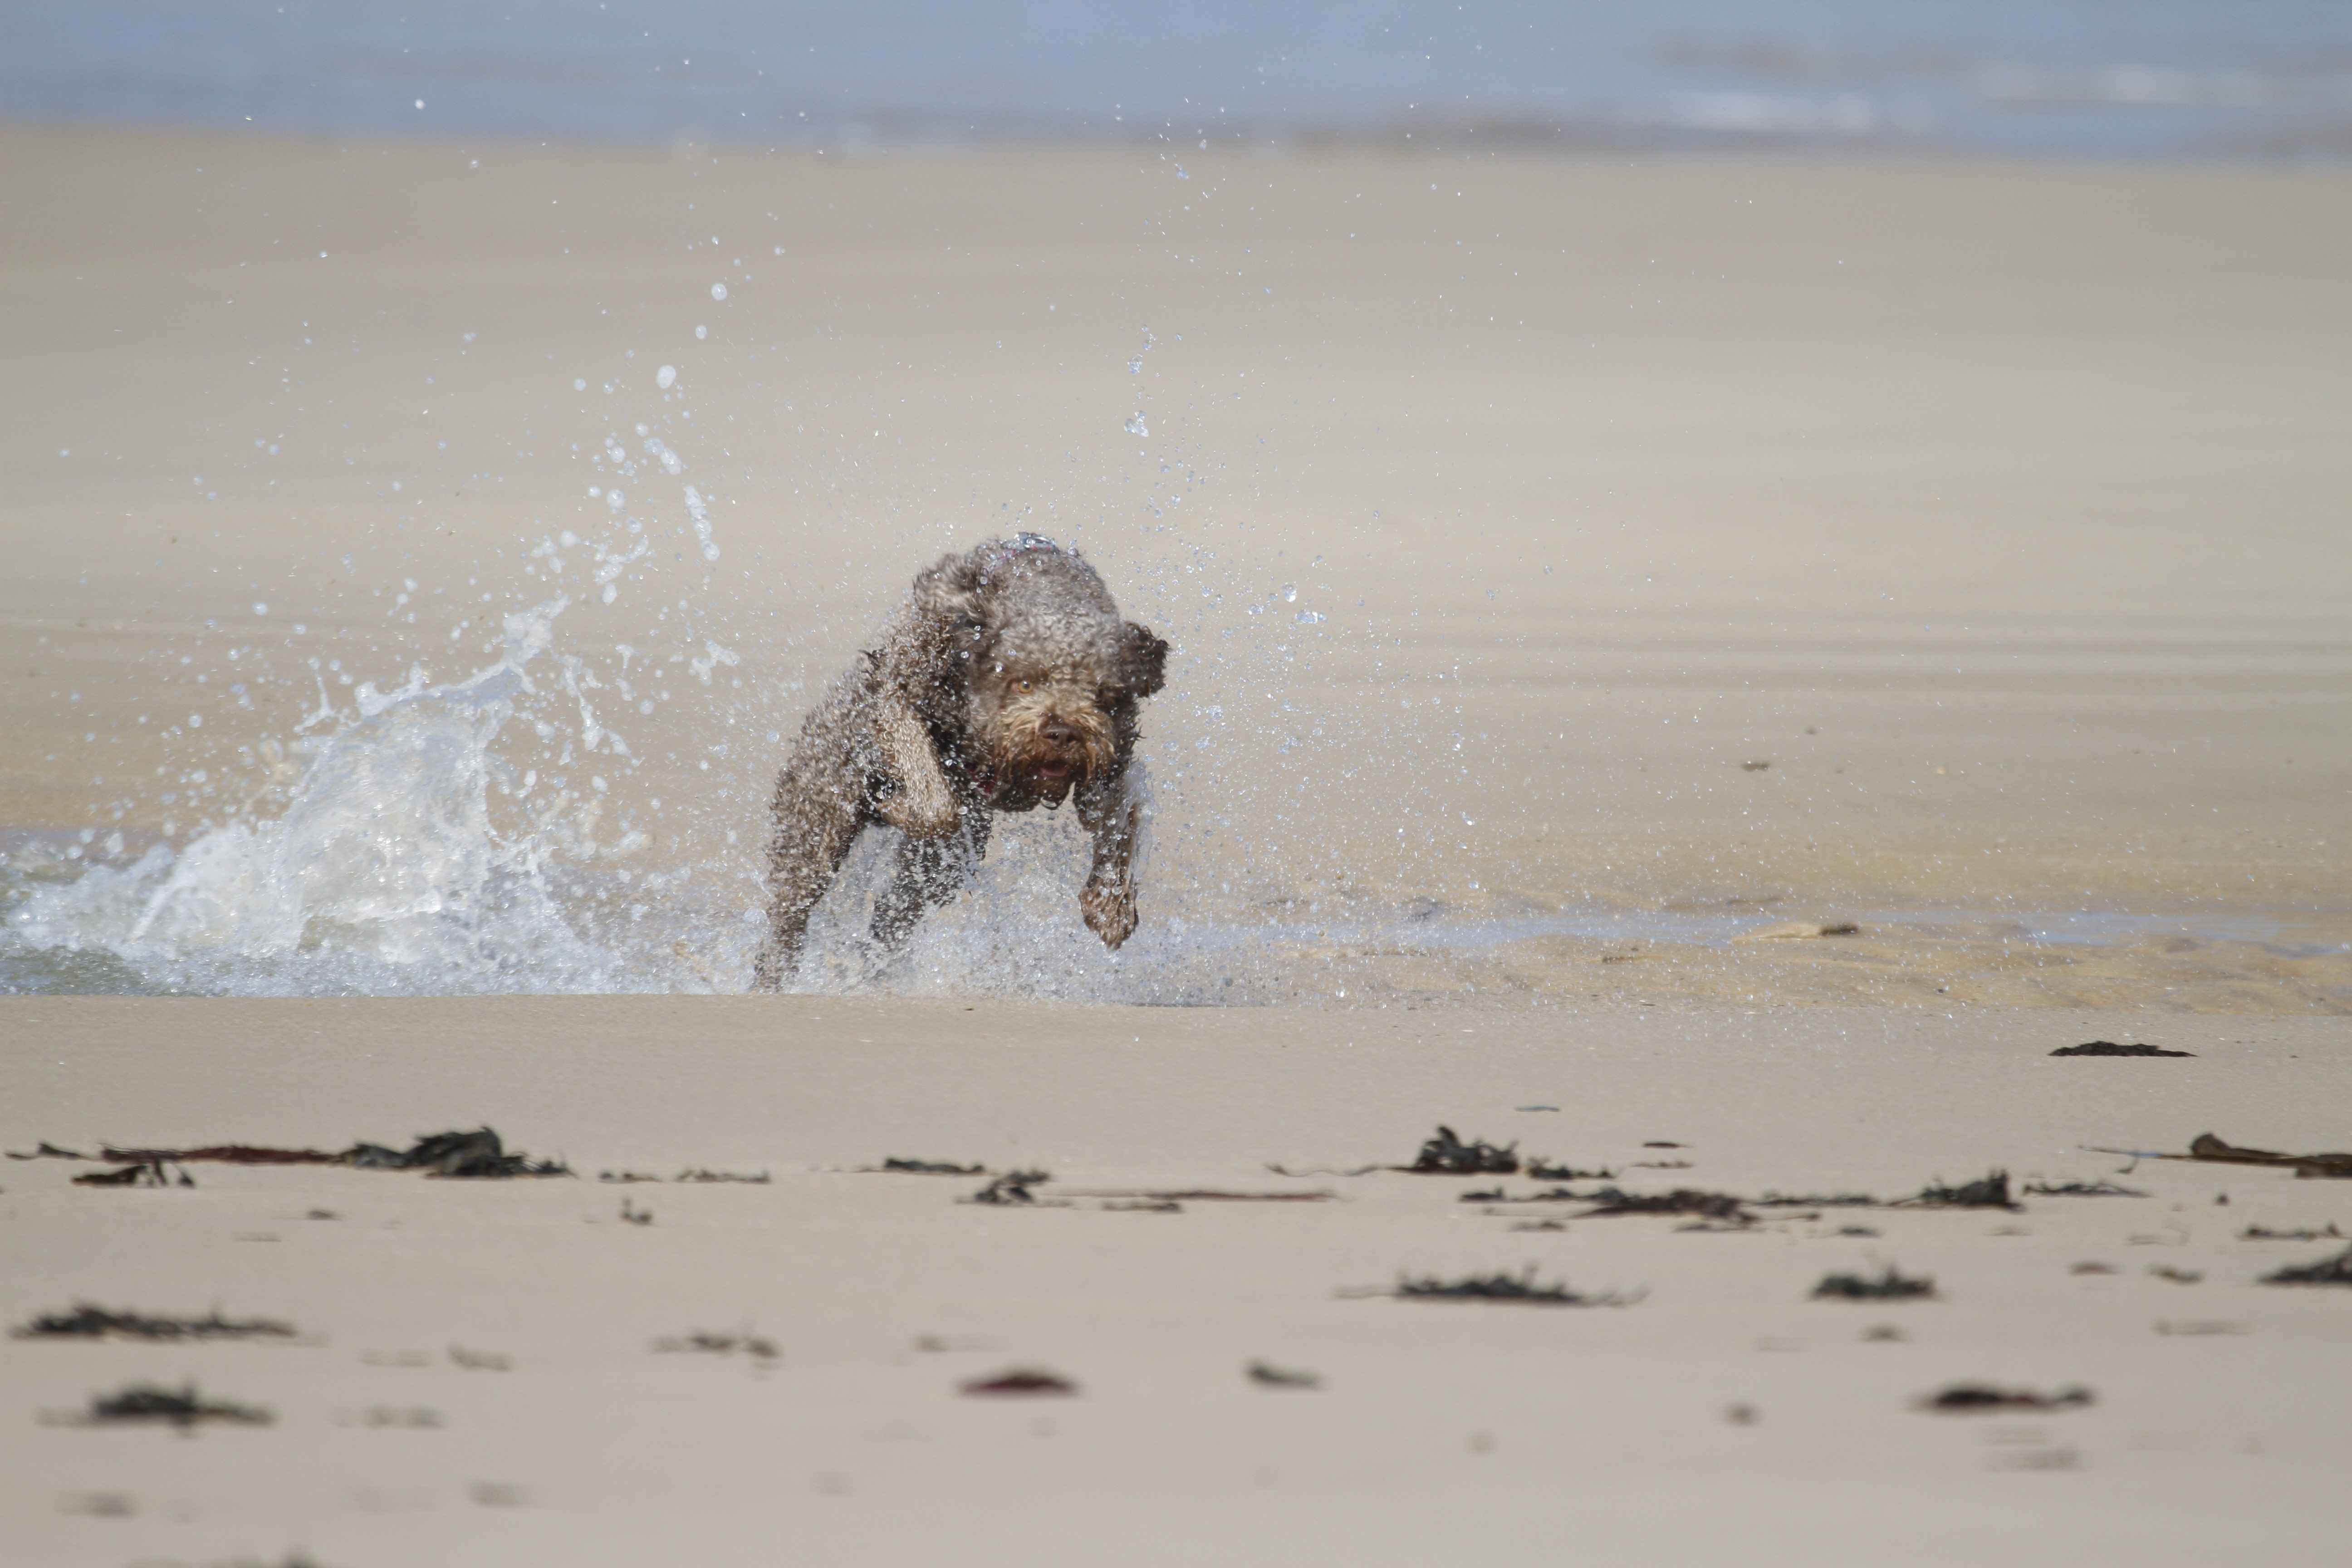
(1517, 1288)
(1265, 1374)
(1988, 1192)
(477, 1154)
(2079, 1190)
(1889, 1286)
(2335, 1270)
(87, 1321)
(1772, 1200)
(145, 1174)
(1542, 1170)
(702, 1343)
(930, 1168)
(1680, 1201)
(1965, 1398)
(1011, 1189)
(181, 1407)
(1021, 1382)
(1447, 1156)
(2109, 1048)
(2263, 1233)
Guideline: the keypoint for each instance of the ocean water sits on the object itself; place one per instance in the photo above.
(2096, 78)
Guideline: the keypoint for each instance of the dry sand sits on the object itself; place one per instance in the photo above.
(1443, 1429)
(1999, 509)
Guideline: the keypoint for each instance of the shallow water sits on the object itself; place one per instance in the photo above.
(2161, 77)
(326, 901)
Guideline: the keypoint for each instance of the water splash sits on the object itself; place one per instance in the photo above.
(385, 871)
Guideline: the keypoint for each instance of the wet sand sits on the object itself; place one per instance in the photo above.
(1505, 513)
(1724, 1416)
(1996, 509)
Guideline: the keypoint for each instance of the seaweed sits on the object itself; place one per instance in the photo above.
(146, 1174)
(1680, 1201)
(47, 1150)
(2079, 1190)
(1541, 1170)
(1549, 1195)
(1987, 1192)
(698, 1175)
(1519, 1289)
(91, 1322)
(2109, 1048)
(1201, 1195)
(2334, 1270)
(1447, 1156)
(2206, 1147)
(475, 1155)
(2260, 1232)
(1011, 1189)
(1968, 1399)
(896, 1166)
(1267, 1375)
(1776, 1200)
(1890, 1285)
(182, 1407)
(701, 1342)
(1024, 1382)
(225, 1154)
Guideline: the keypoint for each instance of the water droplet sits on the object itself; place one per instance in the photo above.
(259, 608)
(666, 377)
(1135, 426)
(579, 383)
(703, 331)
(718, 290)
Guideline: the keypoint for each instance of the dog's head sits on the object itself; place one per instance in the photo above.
(1043, 670)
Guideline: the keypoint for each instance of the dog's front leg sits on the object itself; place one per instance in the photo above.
(920, 804)
(1113, 816)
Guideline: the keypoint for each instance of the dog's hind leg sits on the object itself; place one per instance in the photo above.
(929, 872)
(815, 826)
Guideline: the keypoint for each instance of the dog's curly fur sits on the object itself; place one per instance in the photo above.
(1007, 681)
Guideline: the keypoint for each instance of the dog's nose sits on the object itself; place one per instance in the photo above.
(1059, 731)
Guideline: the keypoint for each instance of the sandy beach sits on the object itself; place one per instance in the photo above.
(476, 1379)
(1590, 579)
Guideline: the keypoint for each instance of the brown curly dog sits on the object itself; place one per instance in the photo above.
(1008, 681)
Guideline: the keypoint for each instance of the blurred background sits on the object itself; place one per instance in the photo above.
(2114, 77)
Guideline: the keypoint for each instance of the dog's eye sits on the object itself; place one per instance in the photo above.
(1025, 686)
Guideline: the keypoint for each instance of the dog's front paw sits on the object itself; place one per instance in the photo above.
(1109, 910)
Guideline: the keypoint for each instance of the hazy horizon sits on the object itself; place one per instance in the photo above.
(2095, 78)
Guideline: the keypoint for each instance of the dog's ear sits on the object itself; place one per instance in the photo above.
(1142, 660)
(947, 624)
